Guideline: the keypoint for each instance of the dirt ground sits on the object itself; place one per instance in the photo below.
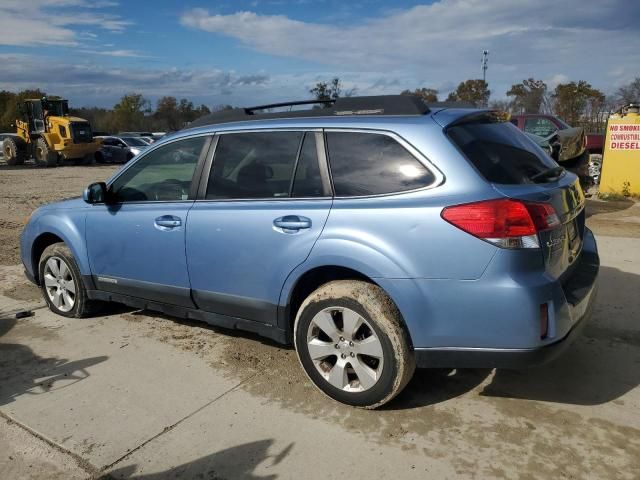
(24, 188)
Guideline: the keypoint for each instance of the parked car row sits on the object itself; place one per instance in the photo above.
(120, 149)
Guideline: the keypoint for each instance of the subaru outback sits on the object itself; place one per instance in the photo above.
(375, 234)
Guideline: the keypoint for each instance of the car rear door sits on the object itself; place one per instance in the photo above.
(263, 203)
(136, 242)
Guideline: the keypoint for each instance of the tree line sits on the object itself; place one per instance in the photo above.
(576, 102)
(132, 113)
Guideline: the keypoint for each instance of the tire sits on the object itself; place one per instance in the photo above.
(90, 159)
(12, 151)
(99, 157)
(595, 167)
(45, 157)
(341, 369)
(58, 273)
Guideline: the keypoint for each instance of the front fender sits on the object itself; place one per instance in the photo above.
(69, 226)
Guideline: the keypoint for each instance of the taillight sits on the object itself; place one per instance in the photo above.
(504, 222)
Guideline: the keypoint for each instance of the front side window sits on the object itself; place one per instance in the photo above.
(254, 165)
(543, 127)
(164, 174)
(373, 164)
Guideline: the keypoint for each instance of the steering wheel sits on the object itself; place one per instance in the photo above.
(163, 189)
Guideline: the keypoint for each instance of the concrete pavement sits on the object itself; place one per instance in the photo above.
(131, 394)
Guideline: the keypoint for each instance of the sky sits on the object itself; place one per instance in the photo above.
(262, 51)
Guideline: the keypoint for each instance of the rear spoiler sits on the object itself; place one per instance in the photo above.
(481, 116)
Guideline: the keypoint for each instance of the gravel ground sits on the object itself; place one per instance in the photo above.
(24, 188)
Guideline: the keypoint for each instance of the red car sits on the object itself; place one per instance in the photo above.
(545, 125)
(576, 150)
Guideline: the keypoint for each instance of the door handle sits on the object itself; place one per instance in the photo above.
(167, 222)
(292, 223)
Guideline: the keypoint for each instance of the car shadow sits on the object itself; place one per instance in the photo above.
(24, 372)
(596, 207)
(239, 462)
(600, 367)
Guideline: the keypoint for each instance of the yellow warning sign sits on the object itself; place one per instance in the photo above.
(621, 156)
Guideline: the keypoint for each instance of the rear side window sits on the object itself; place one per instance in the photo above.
(254, 165)
(500, 152)
(373, 164)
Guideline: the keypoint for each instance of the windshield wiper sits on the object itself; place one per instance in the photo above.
(553, 172)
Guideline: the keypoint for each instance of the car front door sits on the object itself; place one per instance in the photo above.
(259, 213)
(136, 241)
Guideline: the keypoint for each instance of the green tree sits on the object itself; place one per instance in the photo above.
(572, 99)
(475, 92)
(167, 113)
(330, 90)
(429, 95)
(129, 112)
(528, 96)
(629, 93)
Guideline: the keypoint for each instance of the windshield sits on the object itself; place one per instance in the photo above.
(501, 153)
(56, 108)
(134, 142)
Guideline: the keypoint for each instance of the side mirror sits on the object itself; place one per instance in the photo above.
(95, 193)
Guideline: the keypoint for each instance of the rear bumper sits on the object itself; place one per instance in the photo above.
(507, 358)
(495, 320)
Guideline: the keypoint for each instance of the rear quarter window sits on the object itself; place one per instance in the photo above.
(500, 152)
(373, 164)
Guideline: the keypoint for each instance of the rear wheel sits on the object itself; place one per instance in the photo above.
(61, 283)
(352, 344)
(13, 154)
(45, 157)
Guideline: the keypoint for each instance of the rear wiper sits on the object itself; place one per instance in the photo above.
(553, 172)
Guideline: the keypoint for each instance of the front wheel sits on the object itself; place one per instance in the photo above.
(352, 344)
(61, 283)
(45, 156)
(13, 154)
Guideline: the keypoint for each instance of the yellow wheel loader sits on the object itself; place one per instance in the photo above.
(47, 133)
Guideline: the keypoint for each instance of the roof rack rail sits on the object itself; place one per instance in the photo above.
(343, 106)
(288, 104)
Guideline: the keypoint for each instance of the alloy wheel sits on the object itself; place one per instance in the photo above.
(59, 284)
(345, 349)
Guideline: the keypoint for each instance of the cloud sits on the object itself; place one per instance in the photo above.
(51, 22)
(102, 85)
(116, 53)
(444, 40)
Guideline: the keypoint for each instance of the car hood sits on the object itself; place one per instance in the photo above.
(70, 203)
(572, 143)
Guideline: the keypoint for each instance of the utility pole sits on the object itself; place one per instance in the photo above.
(485, 65)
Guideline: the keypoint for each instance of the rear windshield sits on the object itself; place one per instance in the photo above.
(500, 152)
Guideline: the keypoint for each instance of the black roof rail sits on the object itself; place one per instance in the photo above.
(288, 104)
(343, 106)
